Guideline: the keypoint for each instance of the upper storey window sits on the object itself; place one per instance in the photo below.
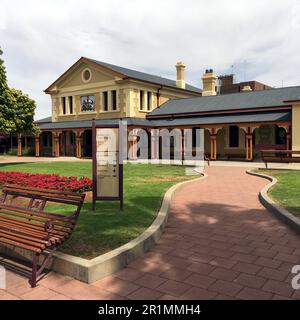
(114, 100)
(87, 103)
(63, 104)
(141, 100)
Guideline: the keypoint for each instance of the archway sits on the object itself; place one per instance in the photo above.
(231, 143)
(269, 137)
(68, 144)
(46, 144)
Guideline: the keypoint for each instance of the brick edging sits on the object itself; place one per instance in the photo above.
(280, 212)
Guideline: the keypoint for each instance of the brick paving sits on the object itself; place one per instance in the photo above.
(219, 243)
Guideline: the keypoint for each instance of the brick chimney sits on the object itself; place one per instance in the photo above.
(180, 81)
(209, 83)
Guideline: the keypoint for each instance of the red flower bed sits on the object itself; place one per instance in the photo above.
(46, 181)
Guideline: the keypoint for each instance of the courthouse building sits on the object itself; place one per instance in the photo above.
(239, 119)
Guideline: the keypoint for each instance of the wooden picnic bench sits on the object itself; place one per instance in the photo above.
(31, 227)
(280, 156)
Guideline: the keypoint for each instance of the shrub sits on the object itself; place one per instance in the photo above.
(46, 181)
(12, 152)
(27, 152)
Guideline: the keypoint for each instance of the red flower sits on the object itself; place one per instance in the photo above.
(46, 181)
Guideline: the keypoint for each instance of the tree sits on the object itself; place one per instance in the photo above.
(24, 109)
(16, 108)
(6, 123)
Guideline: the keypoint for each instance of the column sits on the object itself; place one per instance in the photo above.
(78, 143)
(67, 105)
(133, 145)
(19, 145)
(213, 144)
(37, 145)
(109, 101)
(145, 95)
(288, 137)
(154, 144)
(249, 144)
(56, 135)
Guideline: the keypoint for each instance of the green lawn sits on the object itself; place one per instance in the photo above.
(108, 228)
(287, 190)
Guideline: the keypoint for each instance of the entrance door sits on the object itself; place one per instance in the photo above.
(68, 144)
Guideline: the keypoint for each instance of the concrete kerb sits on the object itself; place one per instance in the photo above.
(280, 212)
(92, 270)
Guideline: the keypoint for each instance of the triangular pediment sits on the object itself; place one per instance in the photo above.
(74, 76)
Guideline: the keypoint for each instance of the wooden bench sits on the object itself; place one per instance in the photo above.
(280, 156)
(28, 225)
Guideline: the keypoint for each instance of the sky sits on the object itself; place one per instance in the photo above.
(255, 40)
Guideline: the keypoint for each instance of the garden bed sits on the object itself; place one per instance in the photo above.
(46, 181)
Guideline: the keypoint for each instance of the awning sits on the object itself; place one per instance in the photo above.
(257, 117)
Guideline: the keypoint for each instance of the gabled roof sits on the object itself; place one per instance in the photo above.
(128, 73)
(133, 74)
(228, 102)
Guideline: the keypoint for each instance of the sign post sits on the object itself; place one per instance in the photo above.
(108, 163)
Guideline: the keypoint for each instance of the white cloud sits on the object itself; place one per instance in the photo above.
(41, 39)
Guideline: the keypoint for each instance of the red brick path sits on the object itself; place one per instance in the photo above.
(219, 243)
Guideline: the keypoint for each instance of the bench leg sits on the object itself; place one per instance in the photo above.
(34, 271)
(37, 271)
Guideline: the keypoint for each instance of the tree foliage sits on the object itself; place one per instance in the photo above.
(16, 108)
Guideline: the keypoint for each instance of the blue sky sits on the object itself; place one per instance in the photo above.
(41, 39)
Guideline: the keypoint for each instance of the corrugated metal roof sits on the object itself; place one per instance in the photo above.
(145, 76)
(172, 122)
(234, 101)
(226, 119)
(88, 123)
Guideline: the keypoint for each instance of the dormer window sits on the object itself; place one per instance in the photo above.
(87, 103)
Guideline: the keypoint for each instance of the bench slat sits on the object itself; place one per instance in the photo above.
(31, 228)
(32, 238)
(49, 191)
(32, 225)
(20, 245)
(47, 198)
(75, 197)
(26, 231)
(24, 241)
(47, 215)
(36, 219)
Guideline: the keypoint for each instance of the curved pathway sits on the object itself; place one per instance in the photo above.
(219, 243)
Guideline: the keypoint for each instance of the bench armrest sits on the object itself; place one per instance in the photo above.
(50, 223)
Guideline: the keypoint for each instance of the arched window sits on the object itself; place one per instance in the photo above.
(280, 135)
